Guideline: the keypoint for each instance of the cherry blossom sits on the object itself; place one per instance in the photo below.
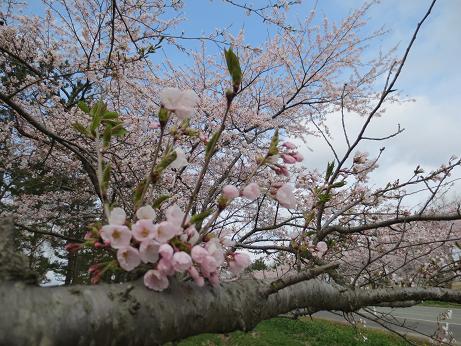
(230, 192)
(146, 212)
(165, 231)
(285, 196)
(288, 158)
(251, 191)
(117, 216)
(199, 253)
(195, 275)
(128, 258)
(144, 229)
(240, 261)
(180, 161)
(178, 101)
(181, 261)
(149, 251)
(155, 280)
(118, 236)
(289, 145)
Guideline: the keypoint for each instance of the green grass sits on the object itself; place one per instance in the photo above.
(282, 331)
(440, 304)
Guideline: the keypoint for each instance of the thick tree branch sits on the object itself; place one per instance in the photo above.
(389, 222)
(130, 314)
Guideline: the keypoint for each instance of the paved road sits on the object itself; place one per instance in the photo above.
(420, 318)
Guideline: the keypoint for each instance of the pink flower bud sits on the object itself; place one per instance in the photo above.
(288, 159)
(230, 192)
(289, 145)
(99, 245)
(88, 236)
(321, 247)
(298, 157)
(285, 196)
(240, 261)
(181, 261)
(166, 251)
(251, 191)
(199, 253)
(73, 247)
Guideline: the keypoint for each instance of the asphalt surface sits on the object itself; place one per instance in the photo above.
(412, 320)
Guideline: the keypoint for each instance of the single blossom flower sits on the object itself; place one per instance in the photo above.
(181, 261)
(251, 191)
(128, 258)
(230, 192)
(174, 215)
(181, 102)
(208, 265)
(146, 212)
(215, 249)
(321, 247)
(166, 251)
(155, 280)
(180, 161)
(117, 216)
(240, 261)
(149, 251)
(199, 253)
(144, 229)
(285, 196)
(165, 266)
(190, 235)
(117, 236)
(165, 231)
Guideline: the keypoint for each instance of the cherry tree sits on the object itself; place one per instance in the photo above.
(158, 185)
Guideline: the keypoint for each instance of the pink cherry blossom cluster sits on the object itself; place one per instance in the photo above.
(166, 248)
(287, 152)
(282, 192)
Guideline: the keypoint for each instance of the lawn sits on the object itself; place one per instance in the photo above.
(282, 331)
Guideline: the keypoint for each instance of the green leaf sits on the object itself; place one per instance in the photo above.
(106, 137)
(110, 115)
(201, 216)
(158, 202)
(211, 144)
(81, 129)
(83, 106)
(119, 130)
(329, 172)
(169, 157)
(112, 122)
(163, 115)
(273, 148)
(138, 192)
(97, 112)
(339, 184)
(106, 177)
(233, 66)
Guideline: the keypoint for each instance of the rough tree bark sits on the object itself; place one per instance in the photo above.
(130, 314)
